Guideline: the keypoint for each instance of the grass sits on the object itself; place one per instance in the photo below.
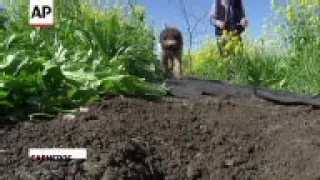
(259, 68)
(289, 62)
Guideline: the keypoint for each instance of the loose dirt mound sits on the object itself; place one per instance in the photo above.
(176, 139)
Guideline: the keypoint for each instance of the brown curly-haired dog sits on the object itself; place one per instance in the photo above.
(171, 41)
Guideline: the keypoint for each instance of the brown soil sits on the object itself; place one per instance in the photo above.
(176, 139)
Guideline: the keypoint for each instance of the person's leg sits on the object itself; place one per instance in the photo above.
(231, 59)
(220, 46)
(240, 41)
(231, 69)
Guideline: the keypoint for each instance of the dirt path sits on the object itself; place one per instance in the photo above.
(211, 137)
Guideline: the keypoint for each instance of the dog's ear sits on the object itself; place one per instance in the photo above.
(163, 31)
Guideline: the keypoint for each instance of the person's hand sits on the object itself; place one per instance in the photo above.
(244, 22)
(221, 24)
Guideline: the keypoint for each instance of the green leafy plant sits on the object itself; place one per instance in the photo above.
(90, 53)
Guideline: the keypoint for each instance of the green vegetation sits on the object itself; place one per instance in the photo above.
(90, 53)
(287, 59)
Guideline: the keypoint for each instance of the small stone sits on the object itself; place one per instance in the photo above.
(191, 107)
(203, 128)
(27, 124)
(274, 128)
(189, 145)
(141, 169)
(2, 151)
(228, 162)
(109, 174)
(193, 172)
(198, 155)
(85, 166)
(68, 117)
(83, 110)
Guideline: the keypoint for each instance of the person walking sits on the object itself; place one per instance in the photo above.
(228, 15)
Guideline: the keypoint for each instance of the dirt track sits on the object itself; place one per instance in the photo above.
(212, 137)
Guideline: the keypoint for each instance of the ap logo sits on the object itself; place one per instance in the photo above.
(41, 13)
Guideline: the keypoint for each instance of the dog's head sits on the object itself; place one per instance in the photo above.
(171, 38)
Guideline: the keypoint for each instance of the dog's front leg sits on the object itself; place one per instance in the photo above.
(165, 63)
(178, 66)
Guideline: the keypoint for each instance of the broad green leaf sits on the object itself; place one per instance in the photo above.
(10, 40)
(3, 94)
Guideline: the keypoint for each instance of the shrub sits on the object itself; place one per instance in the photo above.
(88, 54)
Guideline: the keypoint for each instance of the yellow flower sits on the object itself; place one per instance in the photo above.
(235, 38)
